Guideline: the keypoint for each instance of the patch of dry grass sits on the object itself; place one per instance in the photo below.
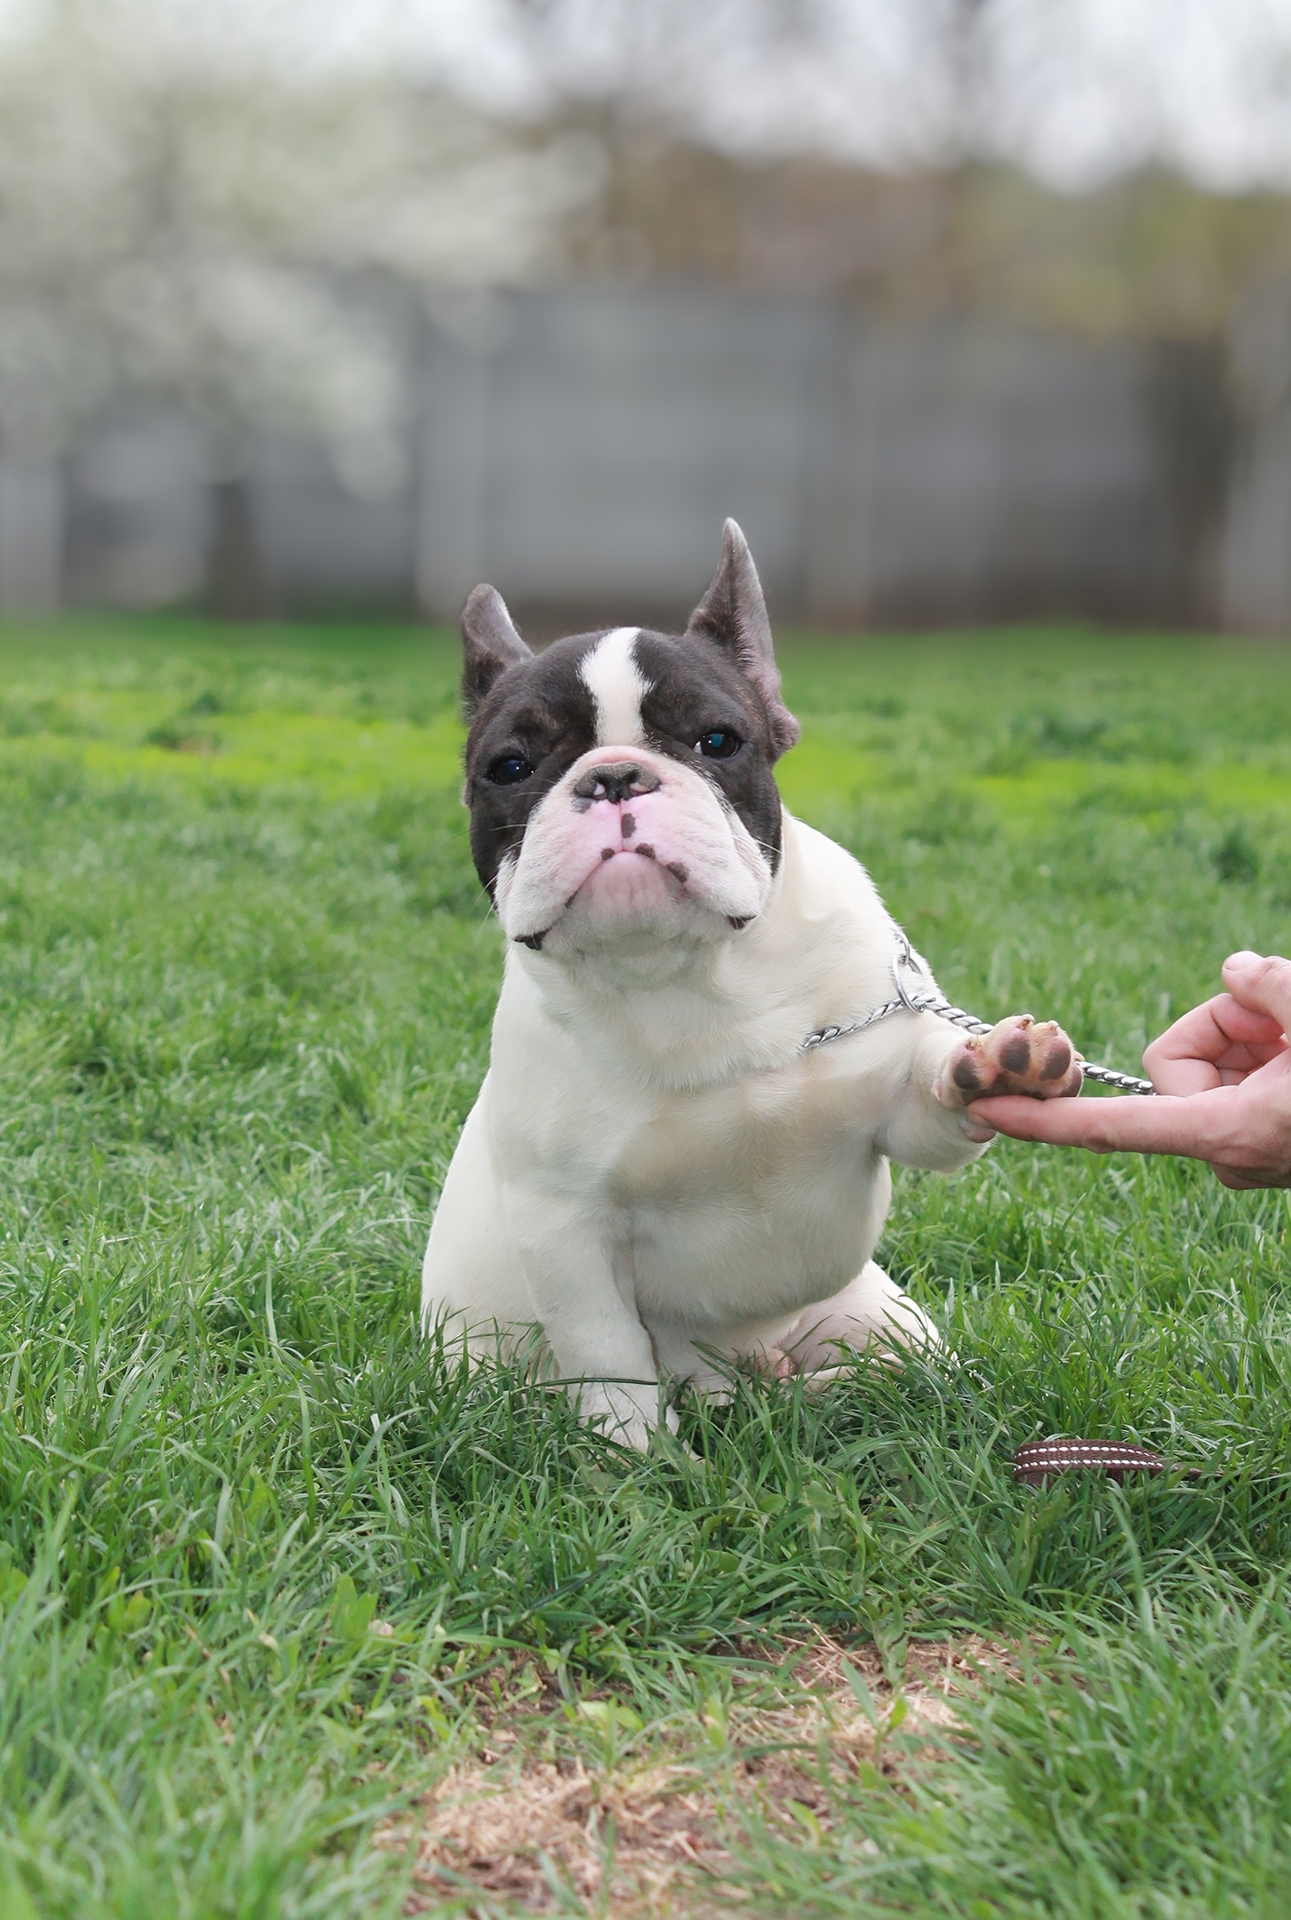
(644, 1827)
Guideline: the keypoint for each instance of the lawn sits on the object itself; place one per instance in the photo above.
(271, 1573)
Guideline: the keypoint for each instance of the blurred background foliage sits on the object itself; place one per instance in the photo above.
(1149, 254)
(237, 241)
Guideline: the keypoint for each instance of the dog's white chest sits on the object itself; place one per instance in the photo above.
(744, 1200)
(734, 1199)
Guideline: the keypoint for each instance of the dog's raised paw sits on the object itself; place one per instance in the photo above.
(1018, 1055)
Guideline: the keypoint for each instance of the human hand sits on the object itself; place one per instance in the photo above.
(1223, 1079)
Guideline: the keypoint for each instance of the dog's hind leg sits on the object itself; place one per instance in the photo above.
(870, 1315)
(684, 1354)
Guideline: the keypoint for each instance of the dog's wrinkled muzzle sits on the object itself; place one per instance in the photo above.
(635, 843)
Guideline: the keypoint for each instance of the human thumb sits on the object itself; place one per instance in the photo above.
(1260, 984)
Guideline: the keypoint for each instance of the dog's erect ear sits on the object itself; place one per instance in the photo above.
(733, 613)
(490, 644)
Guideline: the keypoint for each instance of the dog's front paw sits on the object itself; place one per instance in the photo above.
(1018, 1055)
(624, 1411)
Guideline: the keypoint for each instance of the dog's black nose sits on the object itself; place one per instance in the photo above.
(615, 780)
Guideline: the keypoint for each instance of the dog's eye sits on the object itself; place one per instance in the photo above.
(718, 744)
(509, 768)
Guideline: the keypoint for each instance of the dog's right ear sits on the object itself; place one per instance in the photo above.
(733, 614)
(490, 644)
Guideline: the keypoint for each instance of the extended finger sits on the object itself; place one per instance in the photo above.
(1135, 1125)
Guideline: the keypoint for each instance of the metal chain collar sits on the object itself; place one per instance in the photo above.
(918, 999)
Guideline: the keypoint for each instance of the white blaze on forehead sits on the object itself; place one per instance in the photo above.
(615, 682)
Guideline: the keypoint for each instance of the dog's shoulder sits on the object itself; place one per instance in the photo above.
(825, 885)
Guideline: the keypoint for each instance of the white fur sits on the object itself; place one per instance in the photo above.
(617, 686)
(652, 1166)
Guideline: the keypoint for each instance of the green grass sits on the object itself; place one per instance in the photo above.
(245, 984)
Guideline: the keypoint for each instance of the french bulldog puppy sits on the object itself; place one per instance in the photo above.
(655, 1170)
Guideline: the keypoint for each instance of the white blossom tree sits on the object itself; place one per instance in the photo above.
(178, 219)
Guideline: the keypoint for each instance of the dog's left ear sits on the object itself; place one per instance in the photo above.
(733, 614)
(490, 644)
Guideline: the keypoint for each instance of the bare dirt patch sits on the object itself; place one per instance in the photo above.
(651, 1829)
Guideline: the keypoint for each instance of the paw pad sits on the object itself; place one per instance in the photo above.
(1019, 1055)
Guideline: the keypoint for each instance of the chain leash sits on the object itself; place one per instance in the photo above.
(917, 999)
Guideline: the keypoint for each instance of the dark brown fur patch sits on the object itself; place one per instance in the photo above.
(678, 872)
(607, 853)
(628, 825)
(645, 850)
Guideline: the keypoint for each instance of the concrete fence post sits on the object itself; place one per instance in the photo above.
(31, 531)
(457, 451)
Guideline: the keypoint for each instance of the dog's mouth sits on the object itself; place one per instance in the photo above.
(627, 884)
(629, 842)
(627, 873)
(623, 891)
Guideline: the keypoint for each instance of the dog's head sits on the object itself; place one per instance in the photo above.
(620, 783)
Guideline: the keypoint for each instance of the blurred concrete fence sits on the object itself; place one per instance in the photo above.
(583, 457)
(579, 447)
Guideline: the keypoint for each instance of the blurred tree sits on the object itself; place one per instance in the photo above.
(881, 151)
(177, 221)
(1147, 254)
(1077, 91)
